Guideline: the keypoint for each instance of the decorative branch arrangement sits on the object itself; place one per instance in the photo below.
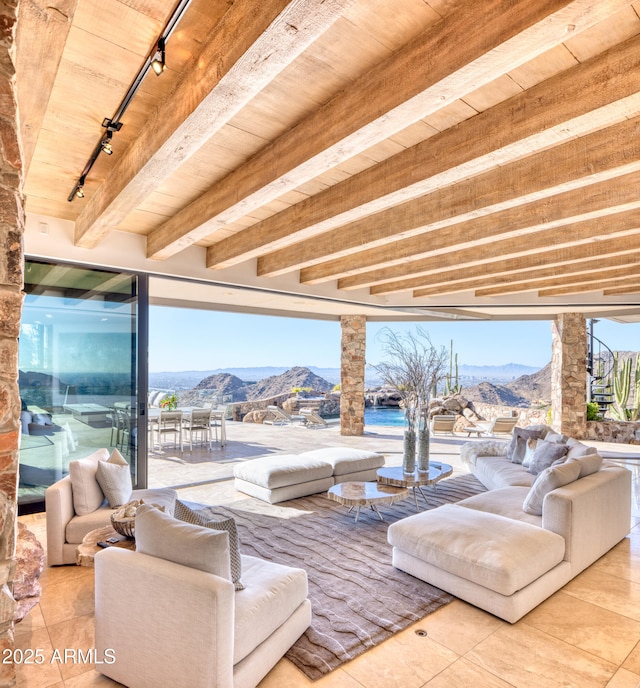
(414, 369)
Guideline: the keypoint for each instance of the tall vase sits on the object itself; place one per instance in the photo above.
(409, 451)
(423, 450)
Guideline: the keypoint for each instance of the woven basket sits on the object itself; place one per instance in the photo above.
(123, 526)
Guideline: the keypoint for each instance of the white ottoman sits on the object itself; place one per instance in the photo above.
(285, 476)
(289, 476)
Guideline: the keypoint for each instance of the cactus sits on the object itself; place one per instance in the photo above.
(635, 409)
(621, 388)
(451, 387)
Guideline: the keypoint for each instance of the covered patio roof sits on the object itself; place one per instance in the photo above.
(401, 160)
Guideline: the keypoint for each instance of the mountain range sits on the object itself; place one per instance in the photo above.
(188, 379)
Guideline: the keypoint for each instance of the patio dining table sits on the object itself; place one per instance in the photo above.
(217, 419)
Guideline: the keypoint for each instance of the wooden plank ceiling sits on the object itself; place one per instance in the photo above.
(449, 152)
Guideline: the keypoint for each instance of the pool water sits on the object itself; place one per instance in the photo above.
(383, 416)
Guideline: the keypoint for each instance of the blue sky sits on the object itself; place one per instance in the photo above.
(185, 339)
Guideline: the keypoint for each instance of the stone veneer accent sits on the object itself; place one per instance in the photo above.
(569, 374)
(352, 362)
(11, 267)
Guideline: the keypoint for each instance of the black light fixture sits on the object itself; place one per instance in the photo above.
(105, 144)
(156, 61)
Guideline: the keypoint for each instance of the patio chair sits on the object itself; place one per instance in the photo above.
(502, 425)
(197, 425)
(443, 423)
(312, 419)
(278, 416)
(168, 423)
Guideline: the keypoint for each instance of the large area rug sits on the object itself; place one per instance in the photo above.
(358, 598)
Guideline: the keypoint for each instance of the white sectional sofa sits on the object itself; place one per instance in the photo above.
(288, 476)
(510, 548)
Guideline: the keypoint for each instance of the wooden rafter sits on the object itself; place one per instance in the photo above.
(342, 128)
(587, 97)
(231, 69)
(512, 281)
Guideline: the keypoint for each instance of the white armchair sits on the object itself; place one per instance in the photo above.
(160, 623)
(66, 528)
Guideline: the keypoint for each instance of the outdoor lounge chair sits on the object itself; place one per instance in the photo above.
(278, 416)
(502, 425)
(312, 419)
(443, 423)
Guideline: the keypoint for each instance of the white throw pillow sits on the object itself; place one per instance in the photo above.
(529, 452)
(163, 536)
(589, 463)
(577, 449)
(115, 481)
(87, 494)
(545, 482)
(117, 458)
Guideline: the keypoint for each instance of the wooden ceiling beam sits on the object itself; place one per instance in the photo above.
(596, 284)
(621, 291)
(541, 222)
(573, 165)
(591, 95)
(545, 284)
(250, 46)
(472, 49)
(42, 32)
(508, 278)
(513, 255)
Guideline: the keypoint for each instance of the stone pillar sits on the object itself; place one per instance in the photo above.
(11, 266)
(352, 362)
(569, 374)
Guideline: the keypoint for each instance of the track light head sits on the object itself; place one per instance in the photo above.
(105, 145)
(80, 191)
(158, 61)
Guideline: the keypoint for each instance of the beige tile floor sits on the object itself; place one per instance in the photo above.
(587, 634)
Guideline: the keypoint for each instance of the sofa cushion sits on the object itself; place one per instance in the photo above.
(545, 454)
(504, 501)
(497, 471)
(87, 493)
(282, 470)
(517, 446)
(160, 535)
(499, 553)
(115, 481)
(272, 593)
(589, 463)
(577, 449)
(184, 513)
(547, 480)
(346, 460)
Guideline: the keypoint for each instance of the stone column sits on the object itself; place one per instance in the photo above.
(352, 362)
(569, 374)
(11, 262)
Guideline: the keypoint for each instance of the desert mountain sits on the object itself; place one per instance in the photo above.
(521, 392)
(225, 384)
(279, 384)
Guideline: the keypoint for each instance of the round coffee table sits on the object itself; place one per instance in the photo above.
(395, 476)
(359, 494)
(90, 547)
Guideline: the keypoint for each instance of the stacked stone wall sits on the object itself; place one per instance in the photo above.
(353, 349)
(569, 374)
(11, 261)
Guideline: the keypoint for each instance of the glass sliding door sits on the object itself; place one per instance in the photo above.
(79, 372)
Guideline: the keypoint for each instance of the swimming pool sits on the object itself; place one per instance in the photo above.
(375, 415)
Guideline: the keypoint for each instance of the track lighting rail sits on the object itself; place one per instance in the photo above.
(155, 60)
